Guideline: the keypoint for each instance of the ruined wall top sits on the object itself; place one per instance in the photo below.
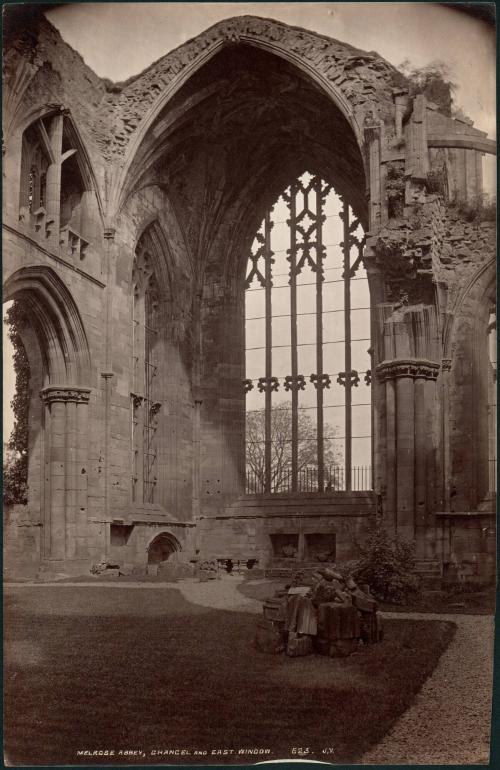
(365, 80)
(40, 68)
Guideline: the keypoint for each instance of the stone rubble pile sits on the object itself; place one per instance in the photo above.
(323, 612)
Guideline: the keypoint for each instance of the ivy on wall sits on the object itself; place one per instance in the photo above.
(15, 461)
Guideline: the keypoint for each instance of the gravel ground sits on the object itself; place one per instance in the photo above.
(449, 722)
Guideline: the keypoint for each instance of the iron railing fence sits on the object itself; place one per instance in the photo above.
(307, 481)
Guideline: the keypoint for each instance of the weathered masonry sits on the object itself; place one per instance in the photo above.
(129, 215)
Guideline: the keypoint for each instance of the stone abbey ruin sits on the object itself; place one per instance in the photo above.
(138, 217)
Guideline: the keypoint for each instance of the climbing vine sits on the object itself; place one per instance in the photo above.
(15, 461)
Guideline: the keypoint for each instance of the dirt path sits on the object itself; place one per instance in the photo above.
(449, 722)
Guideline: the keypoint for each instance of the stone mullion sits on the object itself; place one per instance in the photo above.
(293, 337)
(269, 352)
(319, 335)
(347, 347)
(53, 179)
(26, 163)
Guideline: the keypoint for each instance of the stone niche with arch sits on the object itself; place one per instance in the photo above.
(168, 178)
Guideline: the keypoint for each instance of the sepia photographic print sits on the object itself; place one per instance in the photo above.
(249, 350)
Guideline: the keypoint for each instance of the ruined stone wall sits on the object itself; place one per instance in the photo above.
(191, 159)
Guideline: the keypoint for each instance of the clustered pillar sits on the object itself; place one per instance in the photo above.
(65, 472)
(410, 404)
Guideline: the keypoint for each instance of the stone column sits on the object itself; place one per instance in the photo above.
(65, 456)
(408, 401)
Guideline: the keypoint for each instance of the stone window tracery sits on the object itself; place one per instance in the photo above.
(145, 405)
(34, 164)
(308, 369)
(56, 200)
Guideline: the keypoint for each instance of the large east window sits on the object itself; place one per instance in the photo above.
(308, 368)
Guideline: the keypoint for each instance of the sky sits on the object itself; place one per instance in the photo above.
(119, 40)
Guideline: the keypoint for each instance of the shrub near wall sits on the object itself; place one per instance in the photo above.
(386, 565)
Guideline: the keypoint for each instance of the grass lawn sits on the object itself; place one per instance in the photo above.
(144, 670)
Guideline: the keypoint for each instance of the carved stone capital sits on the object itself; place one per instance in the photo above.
(416, 369)
(74, 394)
(320, 381)
(266, 384)
(446, 364)
(351, 379)
(295, 383)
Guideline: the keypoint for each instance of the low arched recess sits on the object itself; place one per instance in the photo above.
(62, 409)
(162, 547)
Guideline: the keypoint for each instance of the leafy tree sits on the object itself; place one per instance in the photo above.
(281, 445)
(435, 81)
(386, 564)
(15, 461)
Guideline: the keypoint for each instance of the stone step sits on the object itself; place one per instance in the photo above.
(427, 567)
(279, 569)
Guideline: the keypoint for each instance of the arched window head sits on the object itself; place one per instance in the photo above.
(308, 365)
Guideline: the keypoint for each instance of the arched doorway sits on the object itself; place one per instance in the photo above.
(58, 359)
(161, 549)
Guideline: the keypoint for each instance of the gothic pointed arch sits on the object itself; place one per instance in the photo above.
(357, 86)
(59, 408)
(56, 322)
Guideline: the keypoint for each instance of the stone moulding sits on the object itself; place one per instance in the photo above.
(73, 393)
(416, 369)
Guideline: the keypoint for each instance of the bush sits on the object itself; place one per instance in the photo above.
(434, 80)
(386, 564)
